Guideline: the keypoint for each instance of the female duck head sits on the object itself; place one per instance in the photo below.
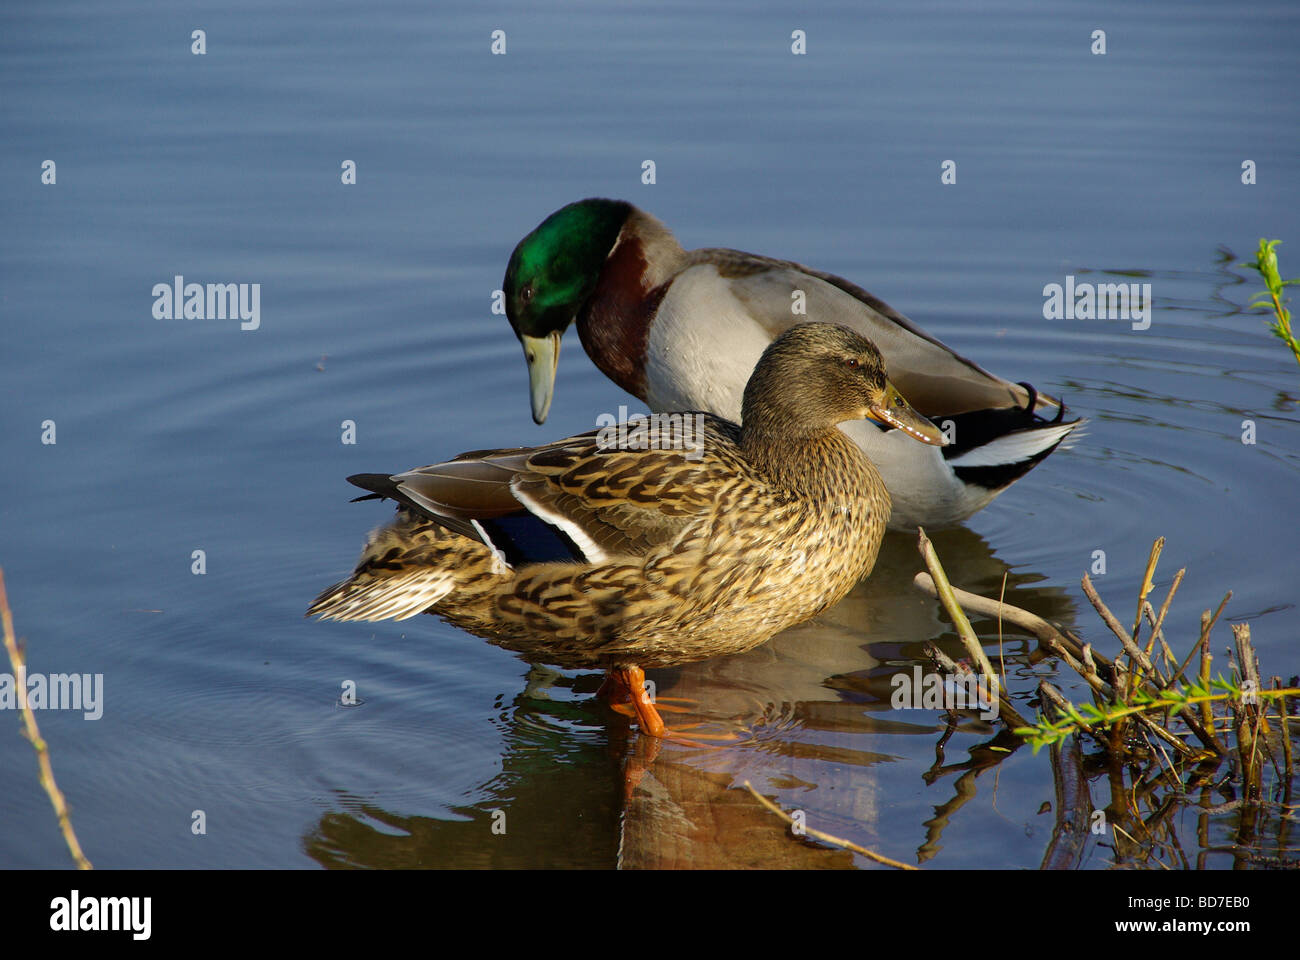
(817, 375)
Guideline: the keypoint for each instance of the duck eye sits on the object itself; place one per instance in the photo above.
(526, 293)
(853, 362)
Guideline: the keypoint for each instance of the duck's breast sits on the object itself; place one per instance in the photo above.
(703, 346)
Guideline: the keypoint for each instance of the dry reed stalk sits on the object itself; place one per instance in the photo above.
(33, 733)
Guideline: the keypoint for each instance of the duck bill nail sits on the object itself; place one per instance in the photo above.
(903, 417)
(542, 354)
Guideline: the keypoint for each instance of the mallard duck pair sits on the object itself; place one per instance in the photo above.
(581, 554)
(682, 329)
(585, 554)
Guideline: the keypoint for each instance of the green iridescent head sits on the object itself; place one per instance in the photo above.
(551, 274)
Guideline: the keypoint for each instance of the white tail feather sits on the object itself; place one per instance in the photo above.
(1015, 447)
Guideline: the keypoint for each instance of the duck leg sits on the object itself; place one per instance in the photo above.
(614, 690)
(625, 689)
(627, 685)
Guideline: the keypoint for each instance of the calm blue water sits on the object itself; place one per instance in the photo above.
(182, 435)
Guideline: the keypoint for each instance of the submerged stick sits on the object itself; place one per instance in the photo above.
(826, 837)
(33, 734)
(1248, 718)
(1207, 715)
(1284, 722)
(1073, 807)
(1053, 696)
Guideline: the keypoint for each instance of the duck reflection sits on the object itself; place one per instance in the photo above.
(813, 727)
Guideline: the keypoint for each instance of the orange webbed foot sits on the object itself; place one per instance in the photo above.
(625, 689)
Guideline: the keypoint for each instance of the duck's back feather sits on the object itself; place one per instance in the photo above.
(935, 380)
(723, 309)
(602, 500)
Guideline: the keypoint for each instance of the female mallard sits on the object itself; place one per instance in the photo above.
(583, 553)
(682, 330)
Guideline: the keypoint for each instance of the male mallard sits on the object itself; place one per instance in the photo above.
(586, 553)
(682, 330)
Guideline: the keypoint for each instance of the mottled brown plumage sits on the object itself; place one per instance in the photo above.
(683, 554)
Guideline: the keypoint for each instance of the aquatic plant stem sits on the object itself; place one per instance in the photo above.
(961, 622)
(1265, 263)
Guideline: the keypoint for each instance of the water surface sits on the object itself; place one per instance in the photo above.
(182, 435)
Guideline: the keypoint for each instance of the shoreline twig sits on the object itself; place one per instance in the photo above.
(33, 733)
